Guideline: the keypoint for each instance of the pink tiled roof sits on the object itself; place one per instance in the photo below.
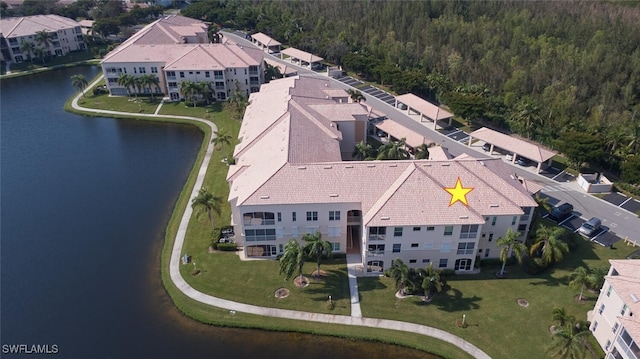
(439, 153)
(302, 55)
(626, 267)
(265, 39)
(627, 286)
(284, 69)
(289, 153)
(632, 325)
(512, 144)
(423, 106)
(399, 131)
(29, 25)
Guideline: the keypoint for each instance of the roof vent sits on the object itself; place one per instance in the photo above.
(328, 167)
(333, 195)
(426, 164)
(494, 205)
(446, 164)
(348, 166)
(371, 166)
(482, 163)
(302, 167)
(264, 197)
(393, 165)
(464, 217)
(634, 298)
(385, 218)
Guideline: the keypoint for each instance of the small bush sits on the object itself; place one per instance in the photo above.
(497, 262)
(533, 266)
(229, 247)
(331, 305)
(214, 245)
(447, 272)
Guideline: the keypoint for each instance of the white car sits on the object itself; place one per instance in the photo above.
(508, 157)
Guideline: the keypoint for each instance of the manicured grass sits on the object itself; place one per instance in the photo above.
(497, 324)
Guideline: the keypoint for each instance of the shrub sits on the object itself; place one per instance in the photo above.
(497, 262)
(533, 266)
(229, 247)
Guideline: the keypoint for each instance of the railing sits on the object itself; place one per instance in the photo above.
(357, 219)
(219, 87)
(259, 222)
(375, 253)
(171, 77)
(253, 82)
(377, 237)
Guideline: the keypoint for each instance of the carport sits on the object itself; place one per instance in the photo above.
(423, 108)
(285, 71)
(300, 55)
(395, 129)
(513, 145)
(266, 43)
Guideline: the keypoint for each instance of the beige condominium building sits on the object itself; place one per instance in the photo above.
(65, 35)
(614, 319)
(294, 174)
(176, 49)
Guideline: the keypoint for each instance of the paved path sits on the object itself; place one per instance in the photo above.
(356, 315)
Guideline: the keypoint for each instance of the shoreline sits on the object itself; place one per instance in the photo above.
(215, 311)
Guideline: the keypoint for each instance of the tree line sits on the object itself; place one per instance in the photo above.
(549, 71)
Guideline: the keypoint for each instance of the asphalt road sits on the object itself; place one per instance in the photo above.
(616, 219)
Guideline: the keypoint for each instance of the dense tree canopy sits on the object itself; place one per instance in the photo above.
(545, 67)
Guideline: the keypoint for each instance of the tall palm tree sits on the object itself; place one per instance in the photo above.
(28, 48)
(422, 152)
(40, 53)
(204, 89)
(189, 89)
(561, 317)
(79, 82)
(207, 201)
(432, 282)
(598, 277)
(238, 101)
(126, 81)
(572, 341)
(271, 72)
(510, 246)
(43, 37)
(399, 272)
(148, 80)
(363, 151)
(543, 203)
(581, 278)
(316, 247)
(356, 96)
(221, 138)
(393, 151)
(549, 244)
(292, 259)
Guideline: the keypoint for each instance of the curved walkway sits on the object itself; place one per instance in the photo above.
(184, 287)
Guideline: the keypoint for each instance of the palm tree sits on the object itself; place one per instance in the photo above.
(271, 72)
(393, 151)
(561, 317)
(292, 260)
(27, 47)
(126, 81)
(598, 275)
(363, 151)
(422, 152)
(189, 89)
(572, 341)
(220, 139)
(356, 96)
(510, 246)
(79, 82)
(316, 247)
(43, 38)
(213, 32)
(549, 244)
(204, 89)
(147, 80)
(581, 278)
(399, 272)
(543, 203)
(209, 202)
(238, 101)
(40, 53)
(432, 282)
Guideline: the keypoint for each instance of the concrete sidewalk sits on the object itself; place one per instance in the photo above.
(352, 262)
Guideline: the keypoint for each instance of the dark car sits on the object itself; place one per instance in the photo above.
(523, 161)
(562, 211)
(486, 147)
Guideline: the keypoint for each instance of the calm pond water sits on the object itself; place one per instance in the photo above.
(85, 202)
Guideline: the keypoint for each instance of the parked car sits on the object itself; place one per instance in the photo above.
(560, 212)
(508, 157)
(523, 161)
(590, 227)
(486, 147)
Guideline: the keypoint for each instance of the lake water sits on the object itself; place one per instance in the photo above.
(85, 202)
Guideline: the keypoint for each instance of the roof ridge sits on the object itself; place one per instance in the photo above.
(386, 196)
(263, 133)
(161, 27)
(190, 49)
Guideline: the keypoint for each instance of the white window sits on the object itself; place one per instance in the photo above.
(397, 232)
(448, 230)
(608, 345)
(493, 221)
(609, 291)
(490, 237)
(377, 233)
(446, 247)
(615, 328)
(311, 230)
(469, 231)
(252, 235)
(416, 229)
(334, 215)
(443, 263)
(334, 231)
(154, 70)
(428, 245)
(513, 221)
(335, 247)
(624, 309)
(466, 247)
(312, 216)
(279, 217)
(601, 309)
(486, 252)
(293, 216)
(142, 70)
(594, 326)
(463, 264)
(426, 261)
(397, 247)
(294, 232)
(279, 232)
(431, 228)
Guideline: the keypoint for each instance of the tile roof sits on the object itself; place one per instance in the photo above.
(265, 39)
(423, 106)
(513, 144)
(302, 55)
(399, 131)
(439, 153)
(289, 152)
(627, 286)
(29, 25)
(284, 69)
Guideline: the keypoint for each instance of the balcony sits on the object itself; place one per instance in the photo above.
(259, 222)
(375, 253)
(377, 237)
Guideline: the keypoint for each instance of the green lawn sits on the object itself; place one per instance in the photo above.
(497, 324)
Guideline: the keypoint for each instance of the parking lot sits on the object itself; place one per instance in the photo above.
(623, 201)
(604, 237)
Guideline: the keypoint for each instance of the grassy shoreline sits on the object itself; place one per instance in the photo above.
(220, 317)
